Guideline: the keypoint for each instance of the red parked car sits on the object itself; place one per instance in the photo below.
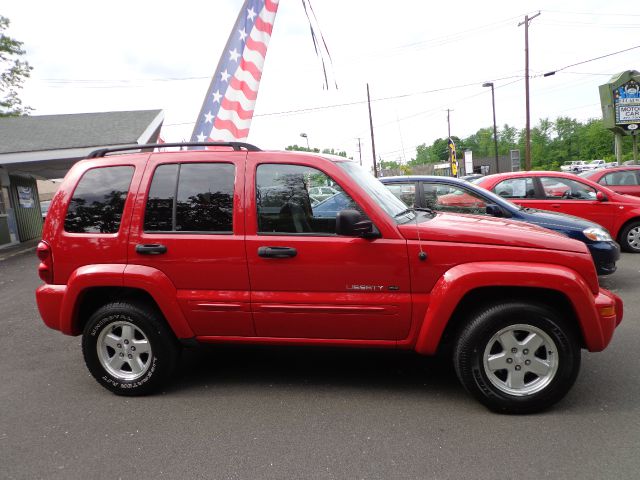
(566, 193)
(619, 179)
(144, 253)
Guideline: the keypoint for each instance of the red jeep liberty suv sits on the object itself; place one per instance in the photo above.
(145, 252)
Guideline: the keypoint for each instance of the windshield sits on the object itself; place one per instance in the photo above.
(376, 190)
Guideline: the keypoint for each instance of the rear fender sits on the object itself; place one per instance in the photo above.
(147, 279)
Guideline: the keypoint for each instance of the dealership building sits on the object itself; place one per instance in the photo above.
(45, 147)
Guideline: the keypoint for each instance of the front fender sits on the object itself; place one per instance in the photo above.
(460, 280)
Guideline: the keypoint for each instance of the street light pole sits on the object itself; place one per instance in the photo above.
(495, 128)
(304, 135)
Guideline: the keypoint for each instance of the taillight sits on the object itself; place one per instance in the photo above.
(45, 269)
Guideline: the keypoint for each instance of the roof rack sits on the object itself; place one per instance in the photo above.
(237, 146)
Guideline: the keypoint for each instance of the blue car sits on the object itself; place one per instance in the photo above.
(448, 194)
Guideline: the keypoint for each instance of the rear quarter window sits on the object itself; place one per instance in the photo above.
(98, 200)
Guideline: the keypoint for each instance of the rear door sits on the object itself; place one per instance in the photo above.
(190, 226)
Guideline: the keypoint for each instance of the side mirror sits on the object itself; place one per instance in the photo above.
(494, 210)
(601, 197)
(351, 223)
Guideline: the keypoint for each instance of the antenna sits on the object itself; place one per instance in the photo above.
(422, 254)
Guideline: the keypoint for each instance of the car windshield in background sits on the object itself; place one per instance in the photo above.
(376, 190)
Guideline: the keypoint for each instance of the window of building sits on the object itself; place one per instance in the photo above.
(98, 200)
(4, 200)
(191, 197)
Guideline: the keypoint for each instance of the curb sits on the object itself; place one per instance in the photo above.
(14, 253)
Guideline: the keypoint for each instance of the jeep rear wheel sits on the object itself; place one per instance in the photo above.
(517, 357)
(128, 349)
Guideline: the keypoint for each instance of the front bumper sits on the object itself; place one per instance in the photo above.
(605, 255)
(609, 310)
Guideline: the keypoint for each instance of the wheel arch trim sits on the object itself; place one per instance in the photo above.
(147, 279)
(460, 281)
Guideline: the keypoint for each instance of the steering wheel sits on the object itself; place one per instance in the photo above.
(567, 194)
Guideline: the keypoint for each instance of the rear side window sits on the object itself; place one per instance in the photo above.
(191, 197)
(98, 200)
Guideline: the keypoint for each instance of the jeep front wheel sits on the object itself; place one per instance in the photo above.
(517, 357)
(128, 349)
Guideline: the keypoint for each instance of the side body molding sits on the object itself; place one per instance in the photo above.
(158, 285)
(462, 279)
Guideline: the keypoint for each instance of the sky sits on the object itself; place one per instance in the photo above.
(419, 58)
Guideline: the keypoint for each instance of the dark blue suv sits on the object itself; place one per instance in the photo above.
(448, 194)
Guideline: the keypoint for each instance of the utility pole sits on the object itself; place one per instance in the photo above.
(527, 155)
(360, 151)
(373, 143)
(449, 123)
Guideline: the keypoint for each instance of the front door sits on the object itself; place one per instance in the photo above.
(307, 282)
(576, 198)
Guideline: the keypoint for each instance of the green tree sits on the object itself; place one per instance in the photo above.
(328, 151)
(13, 73)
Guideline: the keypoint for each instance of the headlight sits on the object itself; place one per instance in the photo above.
(597, 234)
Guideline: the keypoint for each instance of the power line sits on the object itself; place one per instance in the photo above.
(600, 14)
(553, 72)
(361, 102)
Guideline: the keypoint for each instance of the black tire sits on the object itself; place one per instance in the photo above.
(630, 237)
(480, 354)
(128, 348)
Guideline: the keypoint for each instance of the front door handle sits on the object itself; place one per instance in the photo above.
(277, 252)
(555, 205)
(151, 249)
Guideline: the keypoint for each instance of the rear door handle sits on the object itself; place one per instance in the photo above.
(555, 205)
(277, 252)
(151, 249)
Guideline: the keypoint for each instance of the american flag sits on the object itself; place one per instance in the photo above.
(227, 109)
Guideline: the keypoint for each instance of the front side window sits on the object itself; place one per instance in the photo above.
(403, 191)
(191, 197)
(557, 188)
(620, 178)
(287, 200)
(521, 187)
(98, 200)
(449, 198)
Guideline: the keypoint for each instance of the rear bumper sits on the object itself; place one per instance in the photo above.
(49, 299)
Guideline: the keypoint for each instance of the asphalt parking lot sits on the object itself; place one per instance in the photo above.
(273, 413)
